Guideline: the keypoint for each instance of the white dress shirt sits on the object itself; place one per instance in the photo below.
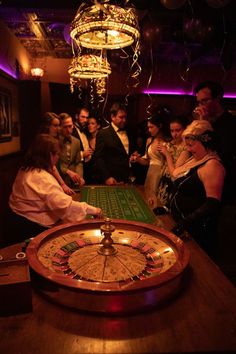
(84, 140)
(123, 137)
(37, 196)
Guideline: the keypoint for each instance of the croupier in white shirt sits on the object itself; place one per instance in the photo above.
(37, 200)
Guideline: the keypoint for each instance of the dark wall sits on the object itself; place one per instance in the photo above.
(63, 100)
(29, 110)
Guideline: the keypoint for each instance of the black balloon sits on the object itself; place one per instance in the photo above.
(173, 4)
(151, 32)
(196, 31)
(193, 28)
(217, 3)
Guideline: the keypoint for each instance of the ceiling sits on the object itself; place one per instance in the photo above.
(194, 32)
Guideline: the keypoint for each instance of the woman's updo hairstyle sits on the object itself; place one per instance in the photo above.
(161, 122)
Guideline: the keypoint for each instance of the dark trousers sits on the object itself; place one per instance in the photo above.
(20, 228)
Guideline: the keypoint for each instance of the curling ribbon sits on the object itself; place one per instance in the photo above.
(149, 81)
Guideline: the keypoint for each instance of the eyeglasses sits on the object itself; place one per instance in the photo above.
(204, 101)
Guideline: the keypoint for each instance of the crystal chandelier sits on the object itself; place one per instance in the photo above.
(105, 26)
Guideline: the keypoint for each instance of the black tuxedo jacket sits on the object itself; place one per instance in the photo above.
(110, 157)
(76, 135)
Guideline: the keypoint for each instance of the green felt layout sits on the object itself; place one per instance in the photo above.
(118, 203)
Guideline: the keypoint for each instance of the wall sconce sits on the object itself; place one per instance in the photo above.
(37, 73)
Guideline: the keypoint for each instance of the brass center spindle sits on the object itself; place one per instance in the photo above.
(107, 248)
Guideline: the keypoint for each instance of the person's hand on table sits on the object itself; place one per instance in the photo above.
(111, 181)
(76, 178)
(99, 214)
(81, 181)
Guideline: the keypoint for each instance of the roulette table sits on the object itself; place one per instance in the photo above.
(119, 202)
(108, 266)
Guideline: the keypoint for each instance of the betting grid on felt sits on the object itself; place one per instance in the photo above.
(118, 203)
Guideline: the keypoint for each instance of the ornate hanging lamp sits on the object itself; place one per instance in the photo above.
(88, 66)
(105, 26)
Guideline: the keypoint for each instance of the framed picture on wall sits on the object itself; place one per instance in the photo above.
(5, 115)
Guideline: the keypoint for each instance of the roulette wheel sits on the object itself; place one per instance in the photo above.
(108, 266)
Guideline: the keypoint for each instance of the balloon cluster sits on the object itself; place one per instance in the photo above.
(151, 33)
(195, 30)
(217, 3)
(175, 4)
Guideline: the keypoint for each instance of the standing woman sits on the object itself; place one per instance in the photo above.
(175, 147)
(93, 128)
(51, 125)
(153, 158)
(198, 185)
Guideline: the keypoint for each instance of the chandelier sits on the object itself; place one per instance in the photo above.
(105, 26)
(88, 66)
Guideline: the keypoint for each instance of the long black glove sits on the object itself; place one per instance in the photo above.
(209, 208)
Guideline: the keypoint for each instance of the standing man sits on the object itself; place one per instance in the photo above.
(69, 164)
(113, 148)
(209, 97)
(79, 132)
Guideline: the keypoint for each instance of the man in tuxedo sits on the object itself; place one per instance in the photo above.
(113, 148)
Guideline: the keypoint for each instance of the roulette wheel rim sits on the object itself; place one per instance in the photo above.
(103, 295)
